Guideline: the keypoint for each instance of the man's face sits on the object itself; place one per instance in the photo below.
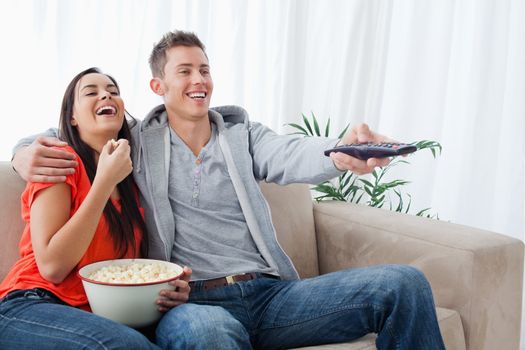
(187, 85)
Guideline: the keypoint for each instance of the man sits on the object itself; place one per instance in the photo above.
(197, 170)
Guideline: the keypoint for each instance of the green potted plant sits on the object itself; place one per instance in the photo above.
(373, 190)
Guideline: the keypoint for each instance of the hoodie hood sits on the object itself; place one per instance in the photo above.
(222, 116)
(157, 117)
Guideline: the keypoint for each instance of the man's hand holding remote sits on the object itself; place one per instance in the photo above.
(359, 133)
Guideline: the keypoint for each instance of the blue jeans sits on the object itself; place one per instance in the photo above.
(394, 301)
(36, 319)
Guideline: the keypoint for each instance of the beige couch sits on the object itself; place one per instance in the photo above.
(476, 275)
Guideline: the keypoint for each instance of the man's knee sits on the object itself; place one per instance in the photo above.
(407, 283)
(409, 277)
(192, 326)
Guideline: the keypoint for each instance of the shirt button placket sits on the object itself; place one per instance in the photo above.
(196, 182)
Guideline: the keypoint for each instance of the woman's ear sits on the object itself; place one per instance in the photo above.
(156, 86)
(73, 121)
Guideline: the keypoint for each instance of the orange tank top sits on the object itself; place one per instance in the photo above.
(25, 275)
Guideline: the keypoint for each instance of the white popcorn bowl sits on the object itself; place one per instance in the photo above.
(132, 304)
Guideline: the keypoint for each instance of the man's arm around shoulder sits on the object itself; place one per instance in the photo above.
(36, 158)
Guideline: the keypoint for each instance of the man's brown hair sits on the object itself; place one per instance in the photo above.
(158, 57)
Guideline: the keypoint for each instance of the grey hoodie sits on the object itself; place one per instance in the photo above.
(252, 153)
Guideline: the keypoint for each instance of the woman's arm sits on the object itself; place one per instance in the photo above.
(60, 241)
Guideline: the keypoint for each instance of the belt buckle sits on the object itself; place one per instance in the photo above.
(230, 280)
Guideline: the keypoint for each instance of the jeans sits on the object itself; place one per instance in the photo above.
(394, 301)
(36, 319)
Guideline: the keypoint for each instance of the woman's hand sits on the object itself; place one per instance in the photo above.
(171, 298)
(114, 162)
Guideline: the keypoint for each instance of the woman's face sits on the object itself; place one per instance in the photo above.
(98, 110)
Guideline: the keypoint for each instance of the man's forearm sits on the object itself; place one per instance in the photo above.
(39, 158)
(26, 141)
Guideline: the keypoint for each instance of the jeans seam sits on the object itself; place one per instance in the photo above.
(56, 328)
(246, 306)
(390, 330)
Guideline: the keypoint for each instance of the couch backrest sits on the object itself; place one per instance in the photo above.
(292, 215)
(11, 223)
(291, 208)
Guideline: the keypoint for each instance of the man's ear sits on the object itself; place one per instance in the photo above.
(156, 86)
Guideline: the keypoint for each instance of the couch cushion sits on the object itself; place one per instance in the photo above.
(449, 324)
(11, 224)
(292, 215)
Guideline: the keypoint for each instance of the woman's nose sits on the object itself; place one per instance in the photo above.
(105, 95)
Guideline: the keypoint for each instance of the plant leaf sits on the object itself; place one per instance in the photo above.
(409, 203)
(343, 132)
(316, 125)
(434, 146)
(307, 123)
(299, 127)
(327, 128)
(399, 207)
(422, 212)
(366, 182)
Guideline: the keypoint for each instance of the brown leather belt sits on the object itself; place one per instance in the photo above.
(227, 280)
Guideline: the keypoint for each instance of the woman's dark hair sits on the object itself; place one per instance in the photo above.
(121, 224)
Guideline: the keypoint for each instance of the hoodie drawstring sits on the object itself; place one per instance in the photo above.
(139, 155)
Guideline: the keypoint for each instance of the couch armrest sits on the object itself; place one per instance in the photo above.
(475, 272)
(11, 223)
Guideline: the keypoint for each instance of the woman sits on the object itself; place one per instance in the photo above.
(93, 216)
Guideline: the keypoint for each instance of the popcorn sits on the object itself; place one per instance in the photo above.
(133, 273)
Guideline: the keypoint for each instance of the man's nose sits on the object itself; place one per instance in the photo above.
(198, 78)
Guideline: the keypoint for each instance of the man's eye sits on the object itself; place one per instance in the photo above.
(184, 71)
(205, 72)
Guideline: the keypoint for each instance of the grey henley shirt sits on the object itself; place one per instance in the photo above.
(211, 235)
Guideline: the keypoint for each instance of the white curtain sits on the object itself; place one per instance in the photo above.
(452, 71)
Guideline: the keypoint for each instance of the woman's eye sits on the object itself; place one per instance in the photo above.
(91, 94)
(114, 93)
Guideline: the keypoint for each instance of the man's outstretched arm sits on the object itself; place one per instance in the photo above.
(285, 159)
(37, 159)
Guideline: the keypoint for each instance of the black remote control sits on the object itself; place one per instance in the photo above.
(364, 151)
